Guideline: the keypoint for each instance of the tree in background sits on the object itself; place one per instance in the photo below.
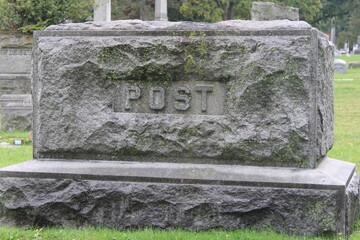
(130, 9)
(29, 15)
(347, 21)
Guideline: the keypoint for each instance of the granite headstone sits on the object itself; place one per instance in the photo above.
(339, 66)
(185, 94)
(221, 125)
(354, 65)
(102, 11)
(265, 11)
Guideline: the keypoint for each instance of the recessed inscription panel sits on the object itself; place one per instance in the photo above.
(199, 97)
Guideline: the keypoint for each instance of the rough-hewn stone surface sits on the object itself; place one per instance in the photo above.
(266, 11)
(75, 203)
(269, 103)
(13, 39)
(16, 116)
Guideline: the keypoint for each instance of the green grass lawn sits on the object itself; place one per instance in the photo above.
(13, 155)
(147, 234)
(346, 147)
(347, 115)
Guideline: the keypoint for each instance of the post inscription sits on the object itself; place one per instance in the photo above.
(177, 98)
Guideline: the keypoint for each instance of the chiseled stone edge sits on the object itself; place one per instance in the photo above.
(175, 33)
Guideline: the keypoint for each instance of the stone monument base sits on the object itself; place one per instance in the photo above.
(189, 196)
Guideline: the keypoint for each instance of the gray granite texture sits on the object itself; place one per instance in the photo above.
(244, 92)
(15, 112)
(16, 116)
(266, 11)
(189, 196)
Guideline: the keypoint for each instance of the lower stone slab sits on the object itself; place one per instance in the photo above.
(190, 196)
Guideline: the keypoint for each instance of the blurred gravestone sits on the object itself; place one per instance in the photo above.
(339, 66)
(15, 63)
(16, 116)
(161, 10)
(266, 11)
(222, 125)
(102, 11)
(15, 112)
(357, 51)
(354, 65)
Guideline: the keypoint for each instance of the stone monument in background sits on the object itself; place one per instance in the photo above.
(161, 10)
(15, 63)
(102, 11)
(183, 125)
(265, 11)
(339, 66)
(15, 72)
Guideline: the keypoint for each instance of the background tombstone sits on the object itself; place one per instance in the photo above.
(266, 11)
(16, 116)
(153, 100)
(354, 65)
(15, 72)
(339, 66)
(102, 11)
(357, 51)
(16, 112)
(15, 63)
(161, 10)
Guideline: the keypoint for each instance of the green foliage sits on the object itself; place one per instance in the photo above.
(348, 26)
(307, 9)
(144, 10)
(202, 10)
(345, 14)
(29, 15)
(130, 9)
(214, 11)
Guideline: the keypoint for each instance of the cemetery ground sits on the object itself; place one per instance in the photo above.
(347, 148)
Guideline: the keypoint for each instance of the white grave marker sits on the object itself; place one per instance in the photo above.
(102, 11)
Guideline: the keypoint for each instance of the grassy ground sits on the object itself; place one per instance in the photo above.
(147, 234)
(346, 147)
(347, 115)
(12, 155)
